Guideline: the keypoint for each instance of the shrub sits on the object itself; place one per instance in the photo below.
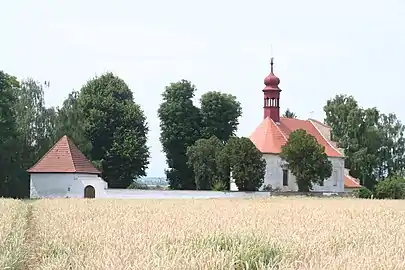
(393, 188)
(137, 185)
(219, 186)
(267, 188)
(363, 193)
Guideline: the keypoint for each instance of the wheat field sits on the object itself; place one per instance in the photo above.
(274, 233)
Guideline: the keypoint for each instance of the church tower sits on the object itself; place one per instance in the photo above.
(271, 93)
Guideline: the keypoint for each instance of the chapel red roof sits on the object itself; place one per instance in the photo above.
(64, 157)
(350, 182)
(269, 137)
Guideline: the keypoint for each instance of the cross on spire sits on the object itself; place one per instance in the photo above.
(271, 64)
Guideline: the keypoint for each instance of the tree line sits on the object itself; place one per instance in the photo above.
(102, 119)
(199, 140)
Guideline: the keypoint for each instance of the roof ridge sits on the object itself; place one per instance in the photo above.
(281, 132)
(328, 142)
(69, 142)
(323, 124)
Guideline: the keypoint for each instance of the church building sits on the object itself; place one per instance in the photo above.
(273, 133)
(65, 172)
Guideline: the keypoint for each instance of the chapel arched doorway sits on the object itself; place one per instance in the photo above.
(89, 192)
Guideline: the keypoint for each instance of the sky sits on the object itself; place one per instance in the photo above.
(320, 48)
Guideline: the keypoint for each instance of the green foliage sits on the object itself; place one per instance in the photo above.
(116, 127)
(392, 188)
(219, 186)
(33, 129)
(220, 113)
(289, 114)
(70, 122)
(137, 185)
(373, 142)
(8, 132)
(246, 163)
(306, 159)
(202, 158)
(180, 124)
(391, 153)
(36, 123)
(363, 193)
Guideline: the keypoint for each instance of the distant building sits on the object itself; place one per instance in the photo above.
(65, 172)
(273, 133)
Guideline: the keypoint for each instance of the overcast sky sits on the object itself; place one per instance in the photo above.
(321, 48)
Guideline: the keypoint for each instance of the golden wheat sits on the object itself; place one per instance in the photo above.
(13, 215)
(277, 233)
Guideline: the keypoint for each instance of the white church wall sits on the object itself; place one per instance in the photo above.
(274, 173)
(50, 185)
(335, 183)
(100, 186)
(274, 176)
(62, 185)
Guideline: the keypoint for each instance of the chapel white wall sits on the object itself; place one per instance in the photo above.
(62, 185)
(274, 175)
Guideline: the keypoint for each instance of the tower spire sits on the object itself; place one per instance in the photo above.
(271, 65)
(271, 93)
(271, 59)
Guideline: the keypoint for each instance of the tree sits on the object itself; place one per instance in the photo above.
(337, 112)
(391, 154)
(8, 134)
(373, 143)
(116, 127)
(289, 114)
(220, 113)
(306, 159)
(71, 122)
(246, 163)
(391, 188)
(180, 124)
(203, 159)
(35, 124)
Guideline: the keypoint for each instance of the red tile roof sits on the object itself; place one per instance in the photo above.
(269, 136)
(64, 157)
(350, 182)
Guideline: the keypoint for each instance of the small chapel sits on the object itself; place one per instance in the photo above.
(65, 172)
(273, 133)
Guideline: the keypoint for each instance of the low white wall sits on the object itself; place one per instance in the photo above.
(178, 194)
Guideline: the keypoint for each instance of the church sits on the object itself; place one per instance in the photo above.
(273, 133)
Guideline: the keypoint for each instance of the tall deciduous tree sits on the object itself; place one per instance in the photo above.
(220, 113)
(35, 122)
(8, 134)
(373, 142)
(116, 127)
(289, 114)
(337, 112)
(180, 124)
(71, 122)
(35, 125)
(246, 163)
(203, 158)
(306, 159)
(392, 151)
